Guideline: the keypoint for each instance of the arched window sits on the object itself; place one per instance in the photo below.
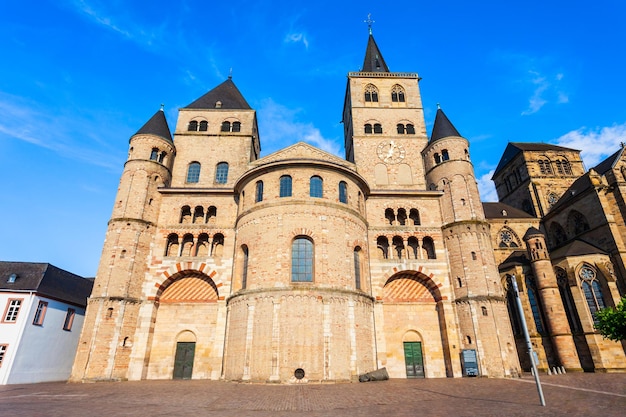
(398, 247)
(368, 128)
(204, 126)
(483, 309)
(413, 247)
(316, 188)
(437, 158)
(171, 248)
(236, 127)
(302, 260)
(202, 247)
(244, 267)
(187, 245)
(258, 196)
(357, 268)
(221, 173)
(162, 156)
(185, 214)
(400, 128)
(211, 214)
(563, 167)
(567, 300)
(577, 223)
(225, 126)
(285, 186)
(193, 172)
(371, 93)
(402, 217)
(382, 243)
(343, 192)
(154, 155)
(397, 94)
(592, 290)
(410, 129)
(390, 216)
(444, 155)
(378, 128)
(557, 233)
(193, 126)
(545, 167)
(414, 215)
(198, 214)
(534, 306)
(429, 246)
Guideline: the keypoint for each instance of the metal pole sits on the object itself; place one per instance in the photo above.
(529, 345)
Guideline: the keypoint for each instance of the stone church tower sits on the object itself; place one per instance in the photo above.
(298, 266)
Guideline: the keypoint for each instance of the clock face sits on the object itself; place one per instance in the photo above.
(390, 152)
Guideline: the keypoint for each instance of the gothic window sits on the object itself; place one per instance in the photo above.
(371, 93)
(368, 128)
(592, 290)
(378, 129)
(534, 305)
(221, 173)
(236, 127)
(316, 188)
(302, 259)
(285, 186)
(413, 247)
(552, 199)
(437, 158)
(258, 196)
(577, 223)
(545, 167)
(410, 129)
(400, 128)
(507, 238)
(357, 268)
(225, 126)
(390, 216)
(414, 215)
(204, 126)
(193, 172)
(244, 268)
(397, 94)
(192, 126)
(154, 155)
(557, 233)
(382, 243)
(211, 214)
(511, 305)
(429, 246)
(444, 155)
(185, 214)
(563, 167)
(198, 215)
(398, 246)
(343, 192)
(567, 300)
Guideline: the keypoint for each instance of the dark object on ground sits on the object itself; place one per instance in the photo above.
(377, 375)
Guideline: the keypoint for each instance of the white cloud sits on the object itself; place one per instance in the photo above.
(297, 38)
(281, 128)
(536, 101)
(595, 144)
(487, 188)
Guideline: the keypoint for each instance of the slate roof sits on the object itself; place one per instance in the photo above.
(576, 248)
(157, 125)
(577, 187)
(374, 61)
(608, 163)
(442, 127)
(518, 257)
(47, 280)
(227, 93)
(494, 211)
(532, 231)
(514, 148)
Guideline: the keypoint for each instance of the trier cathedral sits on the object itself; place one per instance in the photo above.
(300, 266)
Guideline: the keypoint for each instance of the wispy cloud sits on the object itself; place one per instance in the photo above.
(486, 187)
(297, 38)
(595, 143)
(546, 89)
(282, 128)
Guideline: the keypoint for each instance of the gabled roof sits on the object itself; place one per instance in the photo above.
(608, 163)
(576, 248)
(497, 210)
(227, 93)
(581, 184)
(157, 125)
(374, 61)
(518, 257)
(514, 148)
(442, 127)
(46, 280)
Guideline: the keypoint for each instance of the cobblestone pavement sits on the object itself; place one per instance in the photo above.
(570, 394)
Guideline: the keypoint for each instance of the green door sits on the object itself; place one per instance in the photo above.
(414, 359)
(183, 361)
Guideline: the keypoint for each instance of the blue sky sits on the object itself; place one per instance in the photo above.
(79, 77)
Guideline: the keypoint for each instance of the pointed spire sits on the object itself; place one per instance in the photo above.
(374, 61)
(442, 127)
(227, 94)
(157, 125)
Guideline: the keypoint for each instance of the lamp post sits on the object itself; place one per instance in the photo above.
(529, 345)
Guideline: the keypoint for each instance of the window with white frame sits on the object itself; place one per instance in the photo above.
(3, 350)
(12, 310)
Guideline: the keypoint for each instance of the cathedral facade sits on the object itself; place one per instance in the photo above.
(301, 266)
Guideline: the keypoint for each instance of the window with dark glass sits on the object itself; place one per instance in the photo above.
(357, 268)
(378, 128)
(236, 126)
(193, 172)
(397, 94)
(302, 260)
(244, 271)
(154, 155)
(371, 93)
(225, 127)
(193, 126)
(221, 173)
(316, 187)
(444, 155)
(400, 128)
(534, 306)
(343, 192)
(285, 186)
(410, 129)
(204, 125)
(69, 319)
(259, 192)
(40, 313)
(368, 128)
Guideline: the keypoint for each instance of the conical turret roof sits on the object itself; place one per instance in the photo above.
(442, 127)
(157, 125)
(374, 61)
(532, 231)
(226, 94)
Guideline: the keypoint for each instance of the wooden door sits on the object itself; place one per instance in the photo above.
(414, 359)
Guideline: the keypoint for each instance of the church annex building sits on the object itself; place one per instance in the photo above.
(304, 267)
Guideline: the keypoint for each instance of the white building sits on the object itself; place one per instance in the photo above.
(43, 308)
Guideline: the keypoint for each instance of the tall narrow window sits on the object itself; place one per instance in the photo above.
(204, 126)
(69, 319)
(316, 187)
(371, 93)
(193, 172)
(357, 268)
(193, 126)
(343, 192)
(258, 196)
(221, 173)
(285, 186)
(414, 215)
(12, 310)
(3, 351)
(444, 155)
(40, 313)
(592, 290)
(534, 306)
(511, 305)
(154, 155)
(397, 94)
(302, 260)
(429, 246)
(568, 300)
(236, 126)
(437, 158)
(244, 270)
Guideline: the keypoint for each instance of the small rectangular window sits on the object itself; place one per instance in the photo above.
(69, 319)
(40, 313)
(3, 350)
(12, 310)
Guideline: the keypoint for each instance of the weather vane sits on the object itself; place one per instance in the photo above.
(369, 22)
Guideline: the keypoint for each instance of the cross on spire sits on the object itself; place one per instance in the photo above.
(369, 22)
